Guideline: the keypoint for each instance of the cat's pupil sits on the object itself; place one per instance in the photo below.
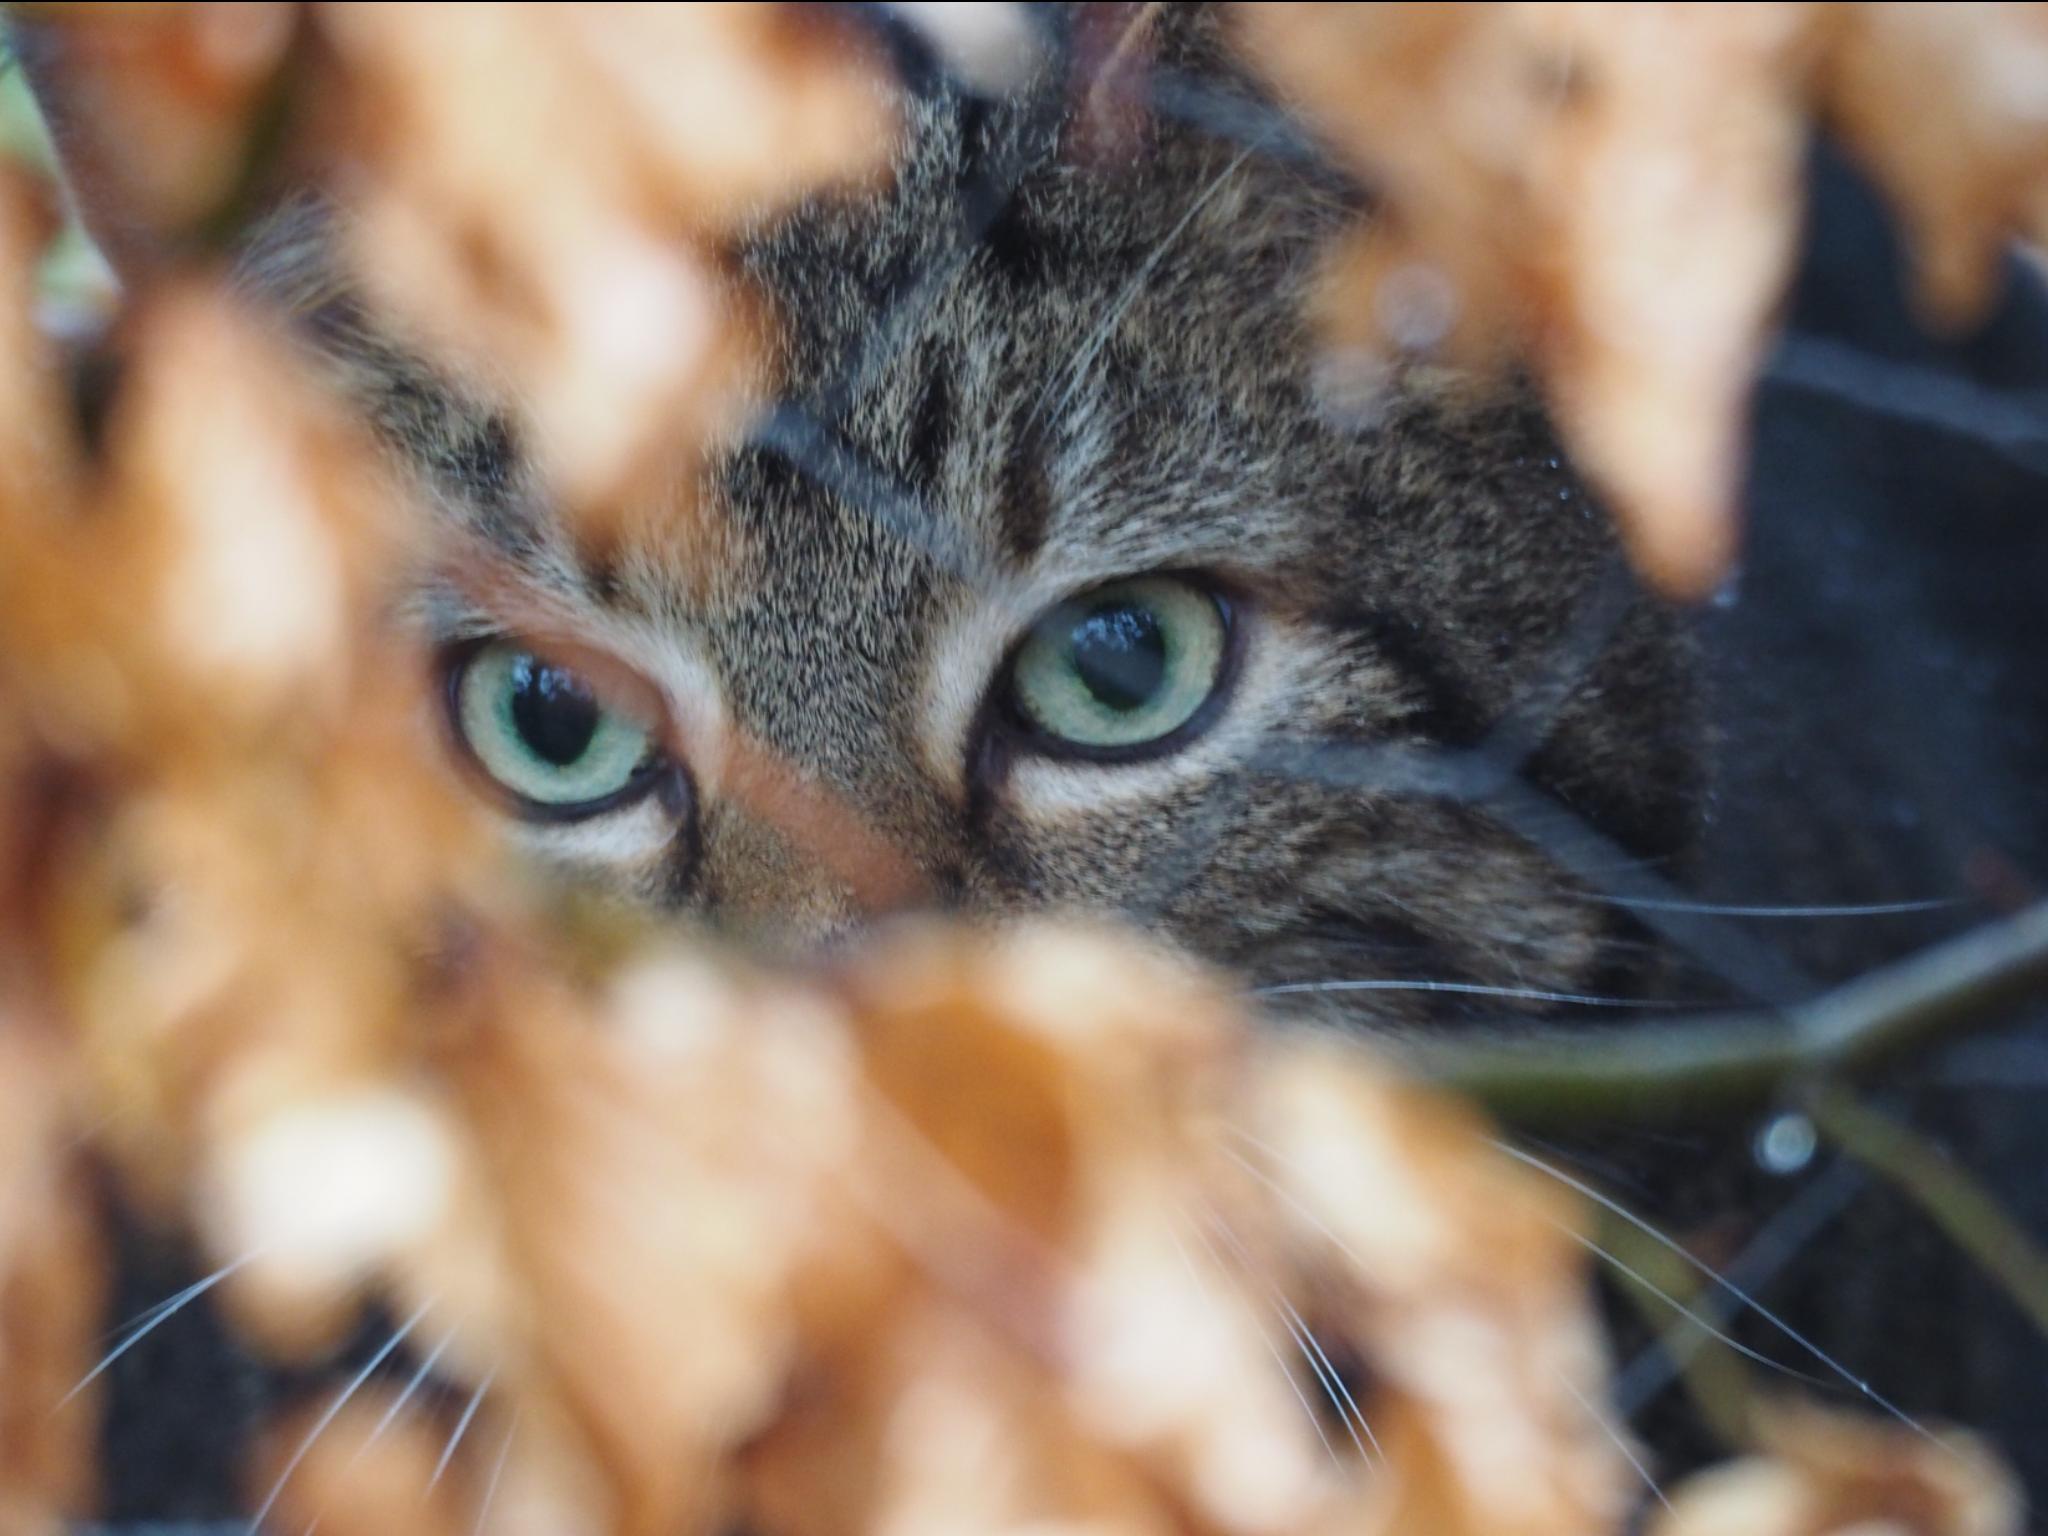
(555, 714)
(1119, 653)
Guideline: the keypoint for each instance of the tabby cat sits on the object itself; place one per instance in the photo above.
(1071, 573)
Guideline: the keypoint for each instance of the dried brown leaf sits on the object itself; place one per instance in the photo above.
(163, 109)
(1613, 196)
(1967, 165)
(1828, 1473)
(366, 1471)
(541, 192)
(35, 454)
(1612, 193)
(985, 1232)
(648, 1173)
(242, 837)
(52, 1287)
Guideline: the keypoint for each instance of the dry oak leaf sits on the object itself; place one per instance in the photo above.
(992, 1233)
(1155, 1192)
(1947, 107)
(34, 448)
(248, 837)
(376, 1468)
(1461, 1286)
(1831, 1474)
(156, 109)
(538, 192)
(535, 193)
(645, 1176)
(51, 1266)
(1613, 194)
(52, 1290)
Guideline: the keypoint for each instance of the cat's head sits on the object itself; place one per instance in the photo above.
(1061, 579)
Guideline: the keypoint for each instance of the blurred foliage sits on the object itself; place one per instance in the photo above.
(969, 1235)
(74, 285)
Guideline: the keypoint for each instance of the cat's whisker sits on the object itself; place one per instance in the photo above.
(1287, 1196)
(1315, 1419)
(1099, 337)
(412, 1387)
(1462, 988)
(1769, 1249)
(333, 1411)
(1328, 1377)
(483, 1509)
(1705, 1326)
(1707, 1271)
(1503, 944)
(1693, 1317)
(154, 1318)
(1601, 1417)
(1334, 1386)
(1793, 911)
(455, 1436)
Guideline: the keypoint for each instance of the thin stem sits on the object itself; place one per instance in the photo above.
(1954, 1201)
(1707, 1063)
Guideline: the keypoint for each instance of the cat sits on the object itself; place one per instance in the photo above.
(1100, 445)
(1069, 574)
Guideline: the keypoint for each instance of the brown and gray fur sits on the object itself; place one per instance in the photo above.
(1114, 378)
(1112, 375)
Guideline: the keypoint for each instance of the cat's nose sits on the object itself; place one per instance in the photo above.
(795, 886)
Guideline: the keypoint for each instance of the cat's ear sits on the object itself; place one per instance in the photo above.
(149, 113)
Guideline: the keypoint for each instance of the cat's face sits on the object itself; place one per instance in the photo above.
(1059, 585)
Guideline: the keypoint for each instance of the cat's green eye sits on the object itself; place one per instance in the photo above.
(1123, 667)
(542, 734)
